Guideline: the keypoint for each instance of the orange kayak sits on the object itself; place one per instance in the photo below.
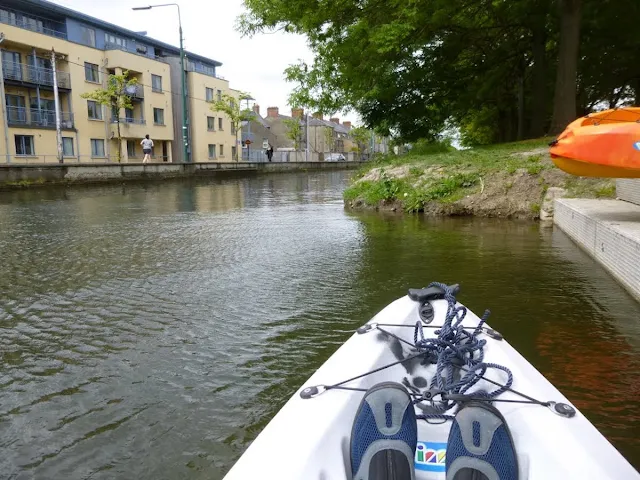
(602, 144)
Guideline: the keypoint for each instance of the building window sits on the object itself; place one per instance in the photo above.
(94, 110)
(221, 150)
(131, 148)
(233, 128)
(158, 116)
(156, 83)
(211, 124)
(97, 147)
(24, 145)
(113, 40)
(16, 111)
(91, 72)
(219, 95)
(212, 151)
(207, 70)
(219, 124)
(11, 65)
(233, 152)
(67, 146)
(88, 36)
(209, 94)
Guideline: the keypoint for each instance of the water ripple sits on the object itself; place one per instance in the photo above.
(152, 331)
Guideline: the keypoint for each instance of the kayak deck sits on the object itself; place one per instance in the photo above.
(309, 437)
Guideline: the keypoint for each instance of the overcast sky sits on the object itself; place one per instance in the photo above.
(255, 65)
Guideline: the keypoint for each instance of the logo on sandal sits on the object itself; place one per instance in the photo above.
(636, 145)
(431, 456)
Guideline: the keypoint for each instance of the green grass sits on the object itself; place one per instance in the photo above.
(606, 191)
(535, 208)
(389, 189)
(579, 187)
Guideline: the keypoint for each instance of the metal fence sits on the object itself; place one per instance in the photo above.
(23, 72)
(52, 159)
(254, 155)
(22, 116)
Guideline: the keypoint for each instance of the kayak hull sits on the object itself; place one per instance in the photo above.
(606, 144)
(309, 438)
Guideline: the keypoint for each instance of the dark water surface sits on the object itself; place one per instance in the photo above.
(151, 332)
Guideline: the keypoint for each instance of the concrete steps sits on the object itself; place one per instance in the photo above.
(628, 189)
(609, 230)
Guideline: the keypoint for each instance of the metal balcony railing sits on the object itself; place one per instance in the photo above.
(22, 116)
(134, 91)
(23, 72)
(32, 22)
(134, 121)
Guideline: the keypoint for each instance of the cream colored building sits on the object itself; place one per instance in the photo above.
(212, 135)
(87, 51)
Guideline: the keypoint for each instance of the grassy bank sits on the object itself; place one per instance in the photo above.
(507, 180)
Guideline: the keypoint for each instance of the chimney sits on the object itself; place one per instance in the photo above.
(256, 109)
(318, 115)
(334, 120)
(272, 112)
(347, 124)
(297, 112)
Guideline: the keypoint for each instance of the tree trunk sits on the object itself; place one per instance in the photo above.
(520, 133)
(539, 107)
(236, 155)
(119, 139)
(564, 100)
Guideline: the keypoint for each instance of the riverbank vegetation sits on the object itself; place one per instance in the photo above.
(505, 180)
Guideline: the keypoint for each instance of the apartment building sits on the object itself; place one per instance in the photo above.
(212, 135)
(87, 50)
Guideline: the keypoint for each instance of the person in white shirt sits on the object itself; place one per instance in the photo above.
(147, 145)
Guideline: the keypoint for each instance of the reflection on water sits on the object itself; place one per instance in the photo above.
(152, 331)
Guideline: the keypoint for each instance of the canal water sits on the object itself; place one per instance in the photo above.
(151, 332)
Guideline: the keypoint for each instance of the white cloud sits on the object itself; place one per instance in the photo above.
(255, 65)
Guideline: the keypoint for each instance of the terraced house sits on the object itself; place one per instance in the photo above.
(87, 50)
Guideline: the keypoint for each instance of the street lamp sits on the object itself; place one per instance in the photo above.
(185, 117)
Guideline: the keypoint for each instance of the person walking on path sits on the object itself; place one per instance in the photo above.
(270, 152)
(147, 145)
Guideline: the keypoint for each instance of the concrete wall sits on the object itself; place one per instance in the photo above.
(16, 176)
(609, 230)
(628, 189)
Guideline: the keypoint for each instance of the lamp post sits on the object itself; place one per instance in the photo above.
(185, 117)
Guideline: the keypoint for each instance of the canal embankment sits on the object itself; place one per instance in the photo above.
(23, 176)
(516, 180)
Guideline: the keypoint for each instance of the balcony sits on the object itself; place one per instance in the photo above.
(23, 73)
(136, 92)
(33, 23)
(129, 127)
(135, 121)
(32, 117)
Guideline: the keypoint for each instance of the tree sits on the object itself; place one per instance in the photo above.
(328, 139)
(485, 66)
(294, 131)
(360, 135)
(117, 97)
(231, 107)
(564, 103)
